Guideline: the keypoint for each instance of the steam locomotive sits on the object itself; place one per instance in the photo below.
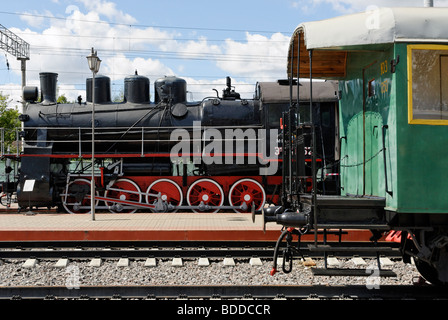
(220, 153)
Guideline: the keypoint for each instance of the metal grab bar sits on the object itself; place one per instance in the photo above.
(390, 192)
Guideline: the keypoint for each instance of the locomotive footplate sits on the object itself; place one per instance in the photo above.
(355, 212)
(324, 213)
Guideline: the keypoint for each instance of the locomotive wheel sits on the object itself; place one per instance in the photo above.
(437, 272)
(129, 191)
(170, 192)
(75, 196)
(247, 191)
(207, 192)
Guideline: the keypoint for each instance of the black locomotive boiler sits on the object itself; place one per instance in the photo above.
(166, 155)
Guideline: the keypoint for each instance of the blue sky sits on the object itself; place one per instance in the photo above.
(202, 41)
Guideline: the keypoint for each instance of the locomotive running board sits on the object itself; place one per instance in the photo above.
(339, 272)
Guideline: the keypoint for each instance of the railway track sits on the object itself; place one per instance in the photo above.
(169, 249)
(220, 292)
(79, 253)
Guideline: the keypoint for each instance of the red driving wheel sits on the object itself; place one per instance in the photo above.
(123, 190)
(207, 192)
(170, 192)
(247, 191)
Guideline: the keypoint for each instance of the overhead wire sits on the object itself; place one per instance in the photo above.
(141, 25)
(160, 54)
(149, 38)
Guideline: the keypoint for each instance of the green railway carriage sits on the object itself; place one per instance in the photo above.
(392, 68)
(394, 103)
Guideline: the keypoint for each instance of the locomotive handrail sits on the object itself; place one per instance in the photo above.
(78, 132)
(150, 128)
(129, 140)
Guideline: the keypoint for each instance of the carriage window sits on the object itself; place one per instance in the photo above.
(428, 85)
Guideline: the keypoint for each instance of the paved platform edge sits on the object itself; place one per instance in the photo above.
(136, 235)
(168, 235)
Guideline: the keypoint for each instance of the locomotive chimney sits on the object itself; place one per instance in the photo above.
(48, 81)
(228, 93)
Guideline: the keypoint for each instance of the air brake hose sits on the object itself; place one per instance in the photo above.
(277, 245)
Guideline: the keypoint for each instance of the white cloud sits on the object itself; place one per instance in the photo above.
(119, 65)
(62, 47)
(351, 6)
(109, 10)
(35, 19)
(258, 57)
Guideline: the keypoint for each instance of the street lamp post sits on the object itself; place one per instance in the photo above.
(94, 66)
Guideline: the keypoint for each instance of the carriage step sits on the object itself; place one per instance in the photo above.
(329, 248)
(352, 272)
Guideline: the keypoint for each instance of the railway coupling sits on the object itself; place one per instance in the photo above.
(290, 220)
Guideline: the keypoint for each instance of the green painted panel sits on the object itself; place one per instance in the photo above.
(352, 156)
(422, 156)
(373, 163)
(365, 109)
(374, 129)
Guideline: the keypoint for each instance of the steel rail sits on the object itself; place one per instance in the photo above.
(304, 292)
(170, 249)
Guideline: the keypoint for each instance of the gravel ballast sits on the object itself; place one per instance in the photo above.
(79, 273)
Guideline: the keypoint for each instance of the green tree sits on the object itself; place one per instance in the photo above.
(62, 99)
(9, 122)
(119, 97)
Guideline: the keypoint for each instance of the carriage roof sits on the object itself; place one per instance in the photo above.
(276, 92)
(374, 29)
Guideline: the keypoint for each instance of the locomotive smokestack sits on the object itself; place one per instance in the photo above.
(228, 93)
(48, 82)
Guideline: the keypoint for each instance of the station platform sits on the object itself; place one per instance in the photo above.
(52, 226)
